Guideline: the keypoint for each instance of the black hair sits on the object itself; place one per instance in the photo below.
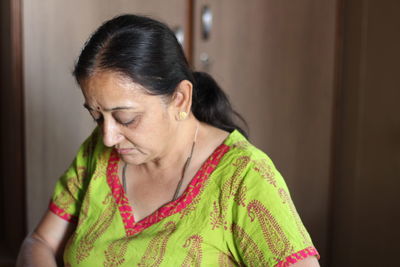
(147, 51)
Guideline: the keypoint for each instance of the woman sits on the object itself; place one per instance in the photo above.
(167, 178)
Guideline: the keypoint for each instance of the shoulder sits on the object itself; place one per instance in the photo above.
(245, 164)
(91, 153)
(240, 146)
(93, 145)
(241, 150)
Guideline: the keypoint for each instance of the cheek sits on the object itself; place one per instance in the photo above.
(145, 134)
(160, 135)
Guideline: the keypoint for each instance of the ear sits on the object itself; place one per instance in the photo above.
(182, 99)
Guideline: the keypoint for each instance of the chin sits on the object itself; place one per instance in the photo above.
(133, 159)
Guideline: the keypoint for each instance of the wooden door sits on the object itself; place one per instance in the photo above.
(56, 122)
(276, 60)
(12, 194)
(367, 166)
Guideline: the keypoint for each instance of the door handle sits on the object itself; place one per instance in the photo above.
(206, 22)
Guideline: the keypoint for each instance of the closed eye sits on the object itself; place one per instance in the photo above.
(125, 119)
(126, 124)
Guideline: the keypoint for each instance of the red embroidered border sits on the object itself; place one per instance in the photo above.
(61, 213)
(193, 189)
(298, 256)
(118, 192)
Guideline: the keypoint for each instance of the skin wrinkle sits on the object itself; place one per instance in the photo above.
(107, 90)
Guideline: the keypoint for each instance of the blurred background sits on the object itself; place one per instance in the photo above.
(318, 82)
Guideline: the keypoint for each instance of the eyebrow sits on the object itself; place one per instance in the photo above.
(112, 109)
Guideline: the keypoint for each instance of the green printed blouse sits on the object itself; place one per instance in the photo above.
(236, 211)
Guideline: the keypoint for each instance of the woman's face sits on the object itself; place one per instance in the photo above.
(140, 126)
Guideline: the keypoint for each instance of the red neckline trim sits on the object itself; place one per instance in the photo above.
(192, 190)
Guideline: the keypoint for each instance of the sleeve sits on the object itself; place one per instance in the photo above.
(71, 186)
(266, 228)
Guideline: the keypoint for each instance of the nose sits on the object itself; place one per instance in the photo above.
(111, 133)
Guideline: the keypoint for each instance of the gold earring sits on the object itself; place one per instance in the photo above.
(182, 115)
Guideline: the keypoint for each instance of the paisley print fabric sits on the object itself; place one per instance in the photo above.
(236, 211)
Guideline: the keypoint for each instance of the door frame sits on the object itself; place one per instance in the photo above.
(12, 140)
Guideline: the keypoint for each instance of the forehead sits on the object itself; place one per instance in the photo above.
(110, 83)
(106, 89)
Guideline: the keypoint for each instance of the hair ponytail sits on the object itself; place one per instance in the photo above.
(211, 105)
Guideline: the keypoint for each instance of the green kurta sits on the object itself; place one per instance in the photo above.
(236, 211)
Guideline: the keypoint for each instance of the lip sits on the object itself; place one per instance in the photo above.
(124, 150)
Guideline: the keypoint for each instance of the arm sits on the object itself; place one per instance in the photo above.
(307, 262)
(46, 244)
